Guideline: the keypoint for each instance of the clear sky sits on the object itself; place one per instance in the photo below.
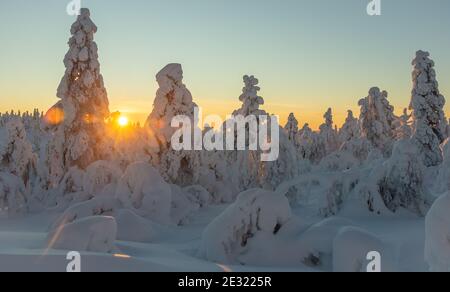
(308, 54)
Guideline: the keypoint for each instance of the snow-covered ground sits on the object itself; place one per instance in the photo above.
(23, 246)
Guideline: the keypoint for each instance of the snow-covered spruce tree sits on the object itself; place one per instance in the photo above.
(172, 99)
(377, 120)
(328, 133)
(291, 128)
(245, 164)
(350, 129)
(428, 114)
(249, 169)
(311, 145)
(76, 122)
(16, 154)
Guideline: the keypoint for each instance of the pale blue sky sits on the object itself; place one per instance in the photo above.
(308, 54)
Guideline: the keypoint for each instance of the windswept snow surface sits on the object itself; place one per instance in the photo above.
(304, 243)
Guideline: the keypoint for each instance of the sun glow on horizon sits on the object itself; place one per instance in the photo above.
(123, 121)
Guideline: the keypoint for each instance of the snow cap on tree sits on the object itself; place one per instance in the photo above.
(251, 101)
(427, 105)
(350, 129)
(172, 99)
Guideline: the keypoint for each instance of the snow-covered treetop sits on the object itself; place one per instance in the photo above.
(306, 130)
(350, 129)
(377, 119)
(172, 99)
(328, 116)
(291, 127)
(350, 116)
(250, 99)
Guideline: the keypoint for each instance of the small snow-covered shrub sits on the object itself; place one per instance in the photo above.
(402, 185)
(198, 195)
(359, 148)
(72, 181)
(16, 152)
(99, 206)
(338, 161)
(351, 248)
(95, 234)
(99, 175)
(143, 190)
(181, 206)
(437, 238)
(255, 211)
(13, 200)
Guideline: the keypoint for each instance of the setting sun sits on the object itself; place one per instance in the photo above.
(123, 121)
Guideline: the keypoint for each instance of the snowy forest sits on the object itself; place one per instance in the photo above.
(72, 179)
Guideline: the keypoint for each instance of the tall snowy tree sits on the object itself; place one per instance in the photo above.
(291, 128)
(76, 122)
(172, 99)
(328, 133)
(377, 120)
(427, 104)
(249, 169)
(350, 129)
(246, 163)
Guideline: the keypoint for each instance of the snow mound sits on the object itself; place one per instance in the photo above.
(95, 234)
(132, 227)
(352, 247)
(181, 206)
(253, 212)
(437, 239)
(316, 243)
(143, 190)
(96, 207)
